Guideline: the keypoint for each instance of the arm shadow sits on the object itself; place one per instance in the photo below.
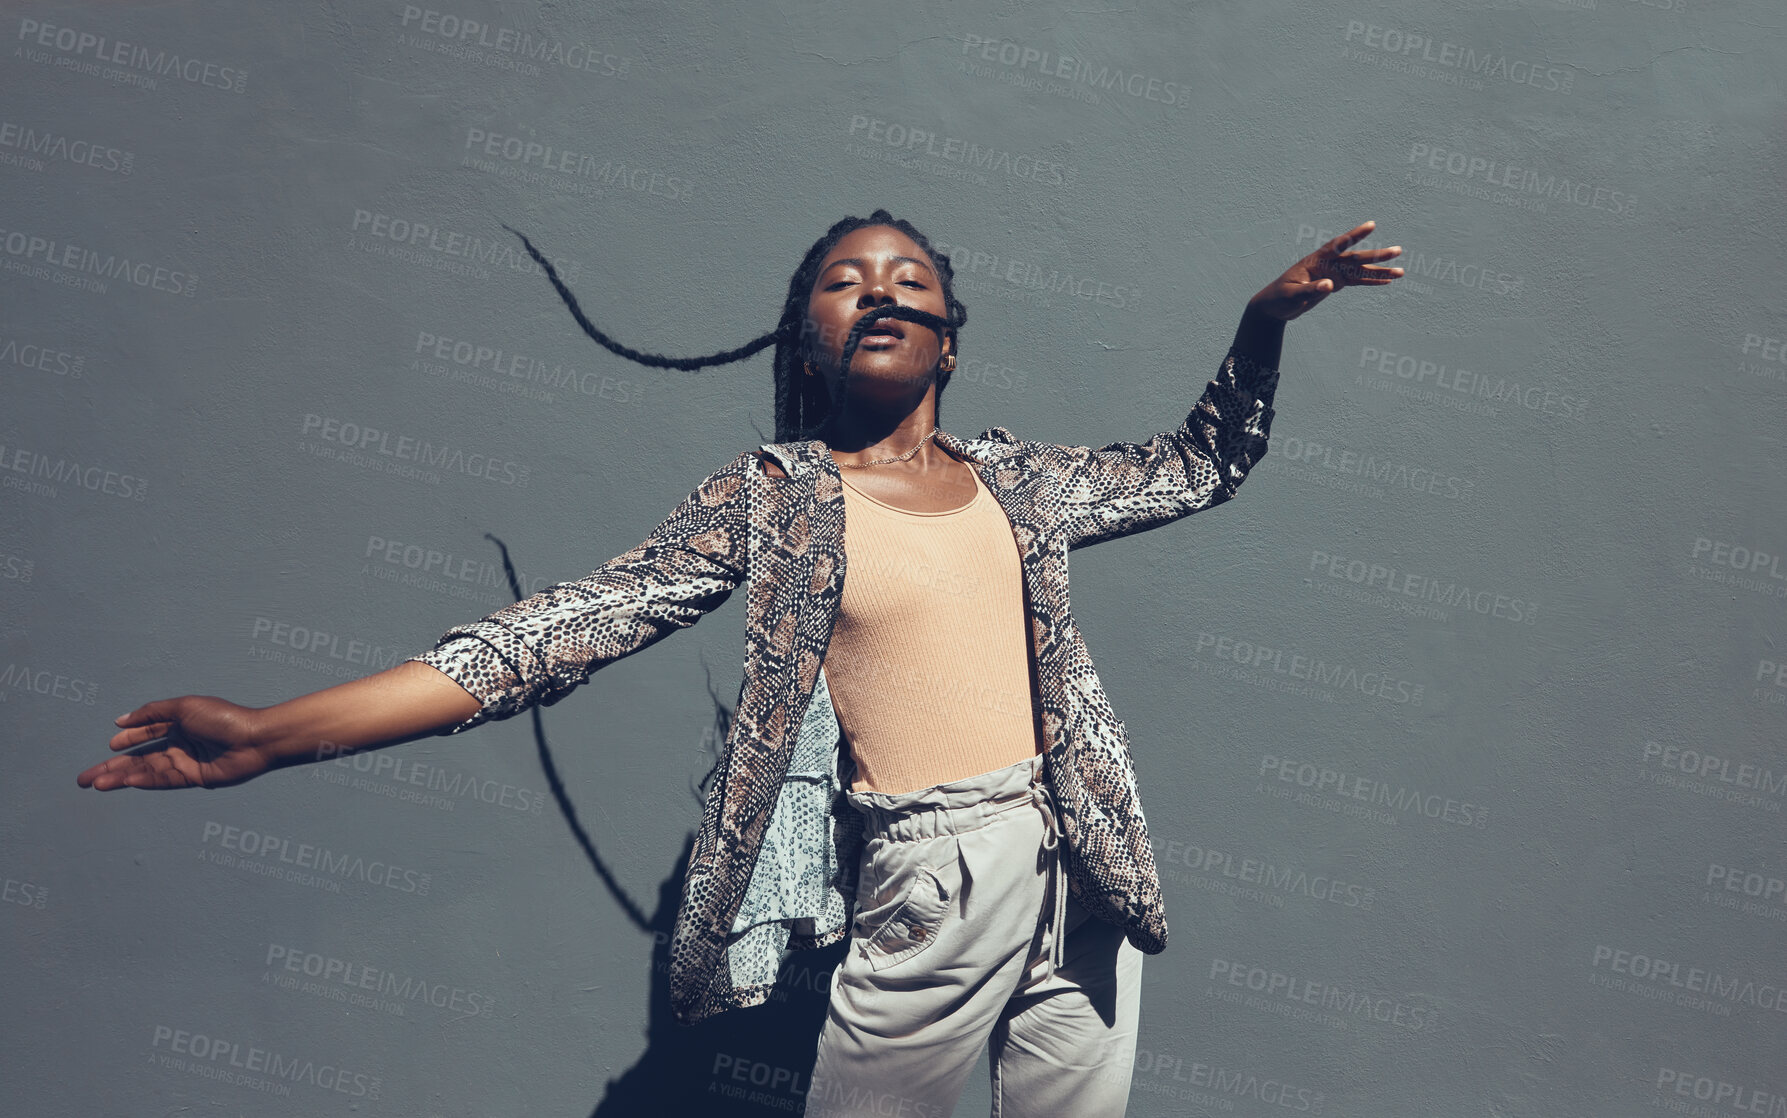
(743, 1061)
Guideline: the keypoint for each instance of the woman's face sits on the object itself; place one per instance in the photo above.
(872, 267)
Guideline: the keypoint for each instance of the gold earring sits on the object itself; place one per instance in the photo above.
(948, 363)
(808, 365)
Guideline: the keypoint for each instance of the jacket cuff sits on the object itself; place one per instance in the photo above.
(1253, 378)
(471, 656)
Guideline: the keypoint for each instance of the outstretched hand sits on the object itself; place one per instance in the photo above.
(1324, 271)
(201, 742)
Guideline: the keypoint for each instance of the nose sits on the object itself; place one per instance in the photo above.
(874, 295)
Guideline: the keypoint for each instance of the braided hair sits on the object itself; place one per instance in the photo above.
(802, 402)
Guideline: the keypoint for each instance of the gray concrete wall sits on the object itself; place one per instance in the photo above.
(1514, 849)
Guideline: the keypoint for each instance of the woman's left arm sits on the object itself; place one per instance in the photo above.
(1123, 488)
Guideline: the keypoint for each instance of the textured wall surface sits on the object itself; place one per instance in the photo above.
(1460, 731)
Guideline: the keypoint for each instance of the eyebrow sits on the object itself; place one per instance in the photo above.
(860, 263)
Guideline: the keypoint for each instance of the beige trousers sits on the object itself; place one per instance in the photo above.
(965, 937)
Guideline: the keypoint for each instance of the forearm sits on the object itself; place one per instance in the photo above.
(407, 701)
(1260, 337)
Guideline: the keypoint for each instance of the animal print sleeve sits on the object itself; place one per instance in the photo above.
(478, 667)
(1122, 488)
(536, 651)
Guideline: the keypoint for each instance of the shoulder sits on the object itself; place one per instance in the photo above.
(762, 461)
(1023, 452)
(727, 485)
(742, 465)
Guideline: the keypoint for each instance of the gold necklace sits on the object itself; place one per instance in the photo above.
(885, 461)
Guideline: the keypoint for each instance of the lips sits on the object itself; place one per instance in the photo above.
(888, 328)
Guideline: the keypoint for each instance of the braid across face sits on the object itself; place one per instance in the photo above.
(802, 402)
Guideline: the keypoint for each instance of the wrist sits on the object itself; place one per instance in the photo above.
(1255, 311)
(263, 737)
(271, 732)
(1259, 337)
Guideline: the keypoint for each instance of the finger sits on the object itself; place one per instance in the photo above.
(1373, 253)
(111, 782)
(157, 770)
(139, 770)
(115, 773)
(101, 777)
(109, 767)
(1378, 276)
(1352, 236)
(1349, 271)
(156, 710)
(136, 776)
(137, 735)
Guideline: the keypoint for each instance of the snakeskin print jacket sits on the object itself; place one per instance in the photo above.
(773, 868)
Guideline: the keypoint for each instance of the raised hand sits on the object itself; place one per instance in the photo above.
(206, 743)
(1324, 271)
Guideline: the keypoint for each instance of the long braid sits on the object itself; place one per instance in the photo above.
(653, 359)
(802, 402)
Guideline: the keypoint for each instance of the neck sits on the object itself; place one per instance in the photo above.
(862, 435)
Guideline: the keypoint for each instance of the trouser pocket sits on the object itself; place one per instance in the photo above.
(915, 897)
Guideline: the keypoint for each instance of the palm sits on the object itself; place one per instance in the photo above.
(1324, 271)
(204, 743)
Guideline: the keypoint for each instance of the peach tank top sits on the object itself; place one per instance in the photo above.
(929, 664)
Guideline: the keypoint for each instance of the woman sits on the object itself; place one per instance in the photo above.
(926, 764)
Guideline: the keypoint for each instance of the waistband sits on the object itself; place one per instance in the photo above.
(948, 809)
(970, 803)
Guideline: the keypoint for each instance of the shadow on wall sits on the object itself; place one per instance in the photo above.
(753, 1061)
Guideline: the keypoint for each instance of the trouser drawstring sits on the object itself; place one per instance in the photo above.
(1051, 845)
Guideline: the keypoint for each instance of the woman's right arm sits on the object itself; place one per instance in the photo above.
(208, 742)
(532, 652)
(407, 701)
